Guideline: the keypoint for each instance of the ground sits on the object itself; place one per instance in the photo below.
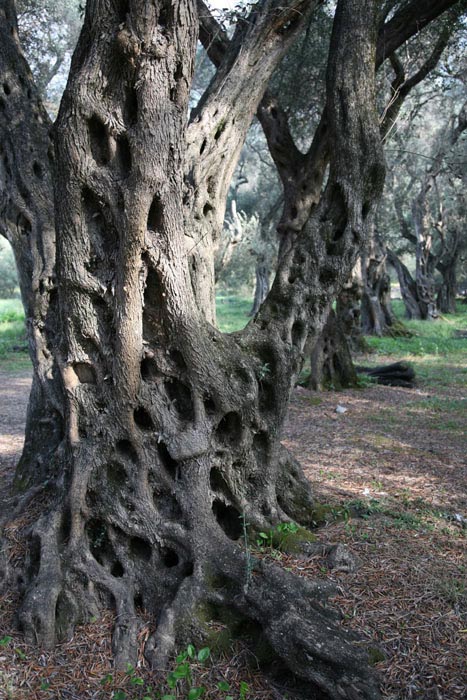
(389, 475)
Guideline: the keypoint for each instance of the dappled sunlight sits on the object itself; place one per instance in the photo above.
(11, 443)
(373, 450)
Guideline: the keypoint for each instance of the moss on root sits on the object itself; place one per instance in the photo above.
(222, 626)
(322, 513)
(292, 542)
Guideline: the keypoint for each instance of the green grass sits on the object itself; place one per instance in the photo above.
(438, 356)
(13, 335)
(11, 309)
(232, 312)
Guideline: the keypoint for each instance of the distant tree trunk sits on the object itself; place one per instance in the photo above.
(447, 266)
(262, 273)
(424, 259)
(446, 299)
(377, 315)
(264, 255)
(427, 254)
(348, 312)
(330, 360)
(408, 287)
(27, 221)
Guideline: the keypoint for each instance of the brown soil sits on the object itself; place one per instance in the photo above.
(392, 473)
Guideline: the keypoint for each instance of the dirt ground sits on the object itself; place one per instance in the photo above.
(14, 393)
(391, 470)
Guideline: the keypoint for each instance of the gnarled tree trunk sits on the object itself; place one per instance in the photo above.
(424, 259)
(171, 440)
(331, 365)
(407, 286)
(377, 315)
(27, 221)
(172, 430)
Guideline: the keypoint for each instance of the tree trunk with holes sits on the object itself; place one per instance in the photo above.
(27, 221)
(172, 430)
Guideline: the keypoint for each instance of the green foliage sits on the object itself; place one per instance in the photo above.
(48, 32)
(8, 276)
(179, 683)
(13, 340)
(277, 537)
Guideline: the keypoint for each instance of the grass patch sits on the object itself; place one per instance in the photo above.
(436, 353)
(232, 313)
(13, 339)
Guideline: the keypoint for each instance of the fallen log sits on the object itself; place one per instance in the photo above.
(395, 374)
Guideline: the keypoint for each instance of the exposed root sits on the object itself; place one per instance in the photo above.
(67, 584)
(290, 614)
(43, 568)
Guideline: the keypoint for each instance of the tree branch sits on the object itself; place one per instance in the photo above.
(408, 21)
(401, 87)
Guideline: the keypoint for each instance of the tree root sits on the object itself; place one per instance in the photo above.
(291, 614)
(187, 572)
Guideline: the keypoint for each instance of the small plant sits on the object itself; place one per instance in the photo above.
(277, 536)
(119, 695)
(107, 679)
(183, 672)
(179, 682)
(263, 371)
(244, 688)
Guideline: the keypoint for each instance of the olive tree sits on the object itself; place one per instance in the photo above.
(160, 446)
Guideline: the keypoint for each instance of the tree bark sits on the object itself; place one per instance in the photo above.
(172, 430)
(27, 221)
